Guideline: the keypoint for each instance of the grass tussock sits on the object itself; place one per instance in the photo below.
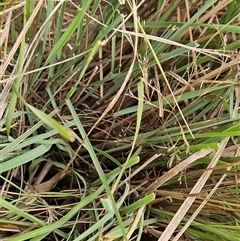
(119, 120)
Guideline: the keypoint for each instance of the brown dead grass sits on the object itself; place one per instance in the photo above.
(108, 131)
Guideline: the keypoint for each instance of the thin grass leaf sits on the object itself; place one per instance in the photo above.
(51, 227)
(71, 28)
(24, 158)
(140, 203)
(47, 119)
(21, 213)
(95, 161)
(131, 162)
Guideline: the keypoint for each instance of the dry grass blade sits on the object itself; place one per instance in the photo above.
(175, 170)
(221, 5)
(189, 200)
(208, 52)
(224, 67)
(17, 6)
(135, 223)
(118, 94)
(146, 163)
(198, 210)
(150, 90)
(5, 31)
(19, 39)
(196, 190)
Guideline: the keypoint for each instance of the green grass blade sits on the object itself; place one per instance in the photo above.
(95, 161)
(21, 213)
(138, 204)
(66, 36)
(24, 158)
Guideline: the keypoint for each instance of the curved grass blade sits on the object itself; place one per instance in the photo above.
(138, 204)
(21, 213)
(53, 226)
(63, 131)
(67, 35)
(24, 158)
(47, 119)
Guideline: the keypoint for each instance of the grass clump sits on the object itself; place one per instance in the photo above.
(119, 121)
